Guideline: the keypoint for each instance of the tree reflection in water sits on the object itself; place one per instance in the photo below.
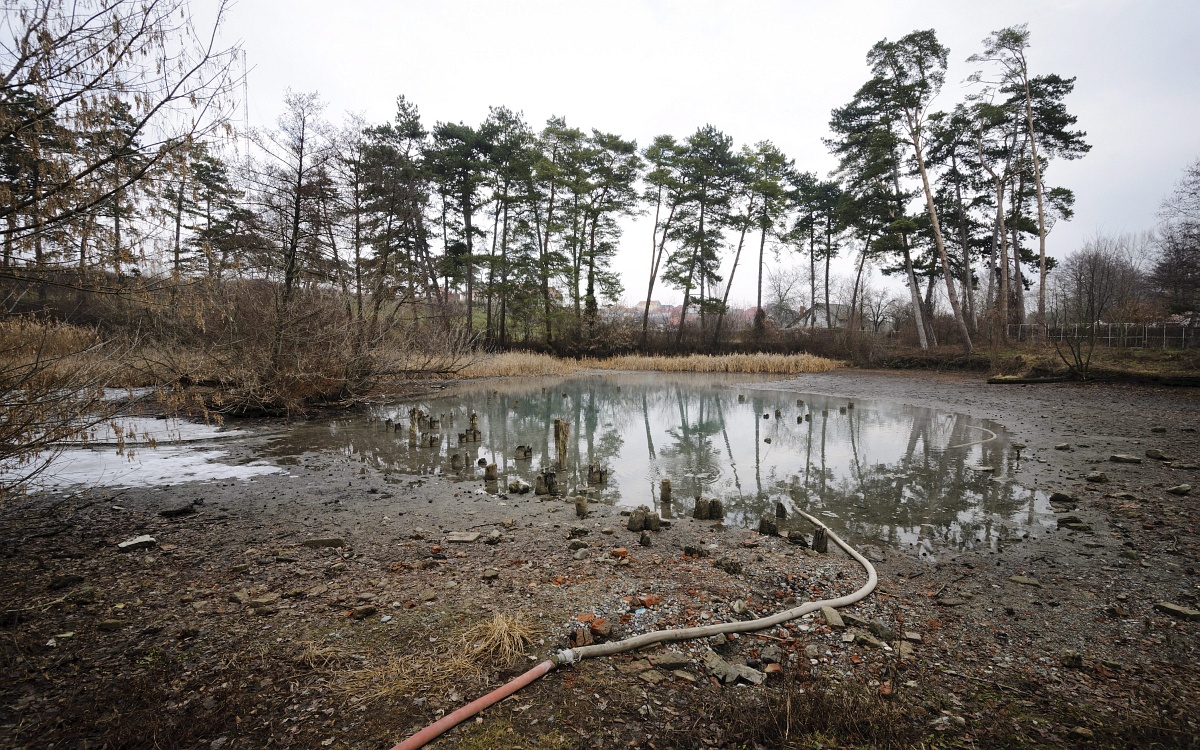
(883, 473)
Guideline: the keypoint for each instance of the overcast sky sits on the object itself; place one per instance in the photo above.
(756, 70)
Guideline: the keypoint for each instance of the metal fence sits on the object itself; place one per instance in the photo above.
(1116, 335)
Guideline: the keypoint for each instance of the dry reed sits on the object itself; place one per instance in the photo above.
(525, 364)
(498, 643)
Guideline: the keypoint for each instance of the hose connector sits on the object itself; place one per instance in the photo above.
(566, 656)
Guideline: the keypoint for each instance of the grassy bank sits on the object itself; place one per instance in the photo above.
(511, 364)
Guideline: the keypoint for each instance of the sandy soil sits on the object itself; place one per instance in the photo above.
(232, 632)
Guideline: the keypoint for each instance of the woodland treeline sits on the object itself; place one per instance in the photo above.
(314, 257)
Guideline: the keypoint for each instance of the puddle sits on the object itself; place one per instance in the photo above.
(883, 473)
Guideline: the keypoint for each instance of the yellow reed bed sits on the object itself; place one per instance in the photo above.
(513, 364)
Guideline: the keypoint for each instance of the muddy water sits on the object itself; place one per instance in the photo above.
(893, 474)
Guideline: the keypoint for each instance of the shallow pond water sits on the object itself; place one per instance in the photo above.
(885, 473)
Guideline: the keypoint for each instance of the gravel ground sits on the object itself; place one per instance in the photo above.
(326, 607)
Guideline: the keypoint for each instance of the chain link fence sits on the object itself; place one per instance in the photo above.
(1161, 335)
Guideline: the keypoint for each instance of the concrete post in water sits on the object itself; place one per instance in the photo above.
(702, 509)
(491, 473)
(820, 541)
(539, 485)
(664, 491)
(581, 508)
(778, 413)
(456, 461)
(780, 510)
(474, 421)
(412, 433)
(767, 526)
(741, 398)
(799, 419)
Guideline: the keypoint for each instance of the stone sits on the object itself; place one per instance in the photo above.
(138, 542)
(869, 639)
(731, 673)
(1158, 429)
(577, 544)
(1124, 458)
(264, 600)
(1180, 489)
(463, 537)
(1026, 581)
(645, 539)
(578, 531)
(519, 487)
(832, 618)
(654, 522)
(670, 659)
(767, 525)
(581, 554)
(1071, 660)
(797, 537)
(1177, 611)
(952, 601)
(1061, 498)
(363, 612)
(428, 595)
(493, 537)
(581, 636)
(1157, 455)
(771, 654)
(702, 511)
(490, 574)
(600, 628)
(1081, 733)
(882, 630)
(110, 625)
(581, 506)
(177, 511)
(912, 636)
(905, 651)
(1098, 477)
(324, 542)
(620, 552)
(1063, 447)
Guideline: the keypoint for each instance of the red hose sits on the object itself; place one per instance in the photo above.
(448, 722)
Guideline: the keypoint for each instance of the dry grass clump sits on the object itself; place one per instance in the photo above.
(518, 364)
(498, 643)
(775, 364)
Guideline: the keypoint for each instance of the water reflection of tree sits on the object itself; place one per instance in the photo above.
(922, 490)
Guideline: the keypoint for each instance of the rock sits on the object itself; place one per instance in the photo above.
(1025, 581)
(581, 506)
(577, 544)
(363, 612)
(882, 630)
(732, 567)
(905, 651)
(1081, 733)
(619, 552)
(912, 636)
(1158, 429)
(952, 601)
(428, 595)
(83, 595)
(600, 628)
(463, 537)
(317, 590)
(716, 510)
(1124, 458)
(654, 522)
(767, 525)
(652, 676)
(869, 639)
(692, 550)
(177, 511)
(519, 487)
(832, 618)
(581, 554)
(1063, 447)
(1072, 523)
(1072, 660)
(771, 653)
(66, 581)
(110, 625)
(581, 636)
(490, 574)
(264, 600)
(797, 537)
(1061, 498)
(670, 659)
(1180, 489)
(702, 511)
(1177, 611)
(493, 537)
(1099, 477)
(1158, 455)
(645, 540)
(138, 542)
(731, 673)
(324, 542)
(578, 531)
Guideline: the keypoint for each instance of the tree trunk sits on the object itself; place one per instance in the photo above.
(736, 257)
(656, 255)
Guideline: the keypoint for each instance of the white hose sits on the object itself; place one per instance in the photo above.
(572, 655)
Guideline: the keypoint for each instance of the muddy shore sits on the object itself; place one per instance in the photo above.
(322, 606)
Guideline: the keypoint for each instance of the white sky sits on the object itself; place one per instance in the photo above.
(756, 70)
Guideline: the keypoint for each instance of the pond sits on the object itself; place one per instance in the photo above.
(880, 472)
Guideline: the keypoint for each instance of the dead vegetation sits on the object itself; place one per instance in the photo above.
(525, 364)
